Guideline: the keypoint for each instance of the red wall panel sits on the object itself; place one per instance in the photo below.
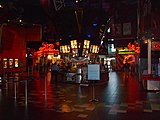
(14, 42)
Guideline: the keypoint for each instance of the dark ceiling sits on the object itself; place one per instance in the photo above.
(59, 17)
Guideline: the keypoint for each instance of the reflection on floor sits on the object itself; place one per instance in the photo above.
(36, 99)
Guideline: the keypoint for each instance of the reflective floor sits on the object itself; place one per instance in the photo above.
(35, 98)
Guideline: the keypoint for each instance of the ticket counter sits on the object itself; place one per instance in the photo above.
(151, 82)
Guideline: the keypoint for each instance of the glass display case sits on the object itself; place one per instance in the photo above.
(16, 63)
(11, 63)
(5, 63)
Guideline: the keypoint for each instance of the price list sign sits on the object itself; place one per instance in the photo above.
(93, 72)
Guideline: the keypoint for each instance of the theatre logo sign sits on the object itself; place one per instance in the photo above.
(155, 46)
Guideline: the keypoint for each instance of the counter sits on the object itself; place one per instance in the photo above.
(151, 82)
(80, 76)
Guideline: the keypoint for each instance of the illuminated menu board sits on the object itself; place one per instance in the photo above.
(156, 46)
(75, 52)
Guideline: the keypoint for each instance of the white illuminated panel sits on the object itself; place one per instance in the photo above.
(93, 72)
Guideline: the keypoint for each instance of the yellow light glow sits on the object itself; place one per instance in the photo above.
(73, 44)
(94, 48)
(49, 57)
(65, 49)
(1, 6)
(86, 44)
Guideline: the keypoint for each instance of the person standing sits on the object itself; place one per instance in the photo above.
(54, 73)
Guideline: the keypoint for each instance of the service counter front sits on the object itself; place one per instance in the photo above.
(151, 82)
(81, 76)
(71, 77)
(76, 76)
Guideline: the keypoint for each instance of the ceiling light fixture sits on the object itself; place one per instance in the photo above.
(1, 6)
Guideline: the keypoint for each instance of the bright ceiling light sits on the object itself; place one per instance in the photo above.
(1, 6)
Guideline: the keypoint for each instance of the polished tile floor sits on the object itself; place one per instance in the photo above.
(35, 98)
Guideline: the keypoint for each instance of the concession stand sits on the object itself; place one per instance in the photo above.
(151, 77)
(46, 54)
(79, 56)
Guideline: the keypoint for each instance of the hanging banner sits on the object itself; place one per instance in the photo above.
(93, 71)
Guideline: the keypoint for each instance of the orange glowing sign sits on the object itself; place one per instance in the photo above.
(57, 43)
(134, 47)
(47, 49)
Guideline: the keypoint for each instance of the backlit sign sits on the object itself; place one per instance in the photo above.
(156, 46)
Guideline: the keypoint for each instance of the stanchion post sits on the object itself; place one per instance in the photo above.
(15, 89)
(45, 87)
(93, 92)
(4, 74)
(28, 70)
(32, 70)
(45, 91)
(26, 92)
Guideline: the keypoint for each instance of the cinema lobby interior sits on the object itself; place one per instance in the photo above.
(79, 59)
